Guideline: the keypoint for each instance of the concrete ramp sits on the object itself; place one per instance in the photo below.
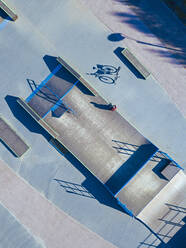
(51, 90)
(162, 214)
(131, 167)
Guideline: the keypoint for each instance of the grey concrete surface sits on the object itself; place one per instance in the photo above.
(51, 92)
(162, 113)
(11, 139)
(42, 164)
(43, 219)
(70, 31)
(139, 98)
(164, 213)
(13, 234)
(143, 187)
(154, 34)
(90, 134)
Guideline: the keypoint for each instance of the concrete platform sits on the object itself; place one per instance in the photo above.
(144, 186)
(92, 132)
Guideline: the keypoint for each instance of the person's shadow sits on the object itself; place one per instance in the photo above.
(101, 106)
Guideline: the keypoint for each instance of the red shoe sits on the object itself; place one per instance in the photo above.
(113, 108)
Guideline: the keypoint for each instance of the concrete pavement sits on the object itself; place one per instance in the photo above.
(80, 38)
(154, 34)
(53, 227)
(139, 98)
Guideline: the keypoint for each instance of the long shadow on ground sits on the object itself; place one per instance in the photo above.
(167, 28)
(3, 15)
(173, 221)
(21, 115)
(118, 53)
(51, 62)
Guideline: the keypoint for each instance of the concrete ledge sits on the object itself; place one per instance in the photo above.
(52, 132)
(36, 117)
(8, 11)
(77, 75)
(135, 62)
(28, 109)
(11, 139)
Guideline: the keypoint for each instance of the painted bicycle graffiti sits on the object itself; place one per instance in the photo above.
(106, 73)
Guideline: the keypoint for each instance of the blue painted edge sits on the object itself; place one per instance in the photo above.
(138, 171)
(55, 106)
(58, 67)
(69, 89)
(69, 108)
(129, 212)
(164, 153)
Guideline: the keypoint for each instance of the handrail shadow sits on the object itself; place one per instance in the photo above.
(173, 220)
(167, 29)
(74, 188)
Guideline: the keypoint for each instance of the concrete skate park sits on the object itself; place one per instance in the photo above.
(102, 140)
(83, 157)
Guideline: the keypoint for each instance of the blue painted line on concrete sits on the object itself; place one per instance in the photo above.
(60, 100)
(137, 171)
(3, 23)
(165, 154)
(69, 89)
(128, 211)
(69, 108)
(43, 83)
(125, 208)
(58, 103)
(46, 113)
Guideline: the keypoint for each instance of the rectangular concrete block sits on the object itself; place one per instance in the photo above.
(170, 171)
(135, 62)
(14, 142)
